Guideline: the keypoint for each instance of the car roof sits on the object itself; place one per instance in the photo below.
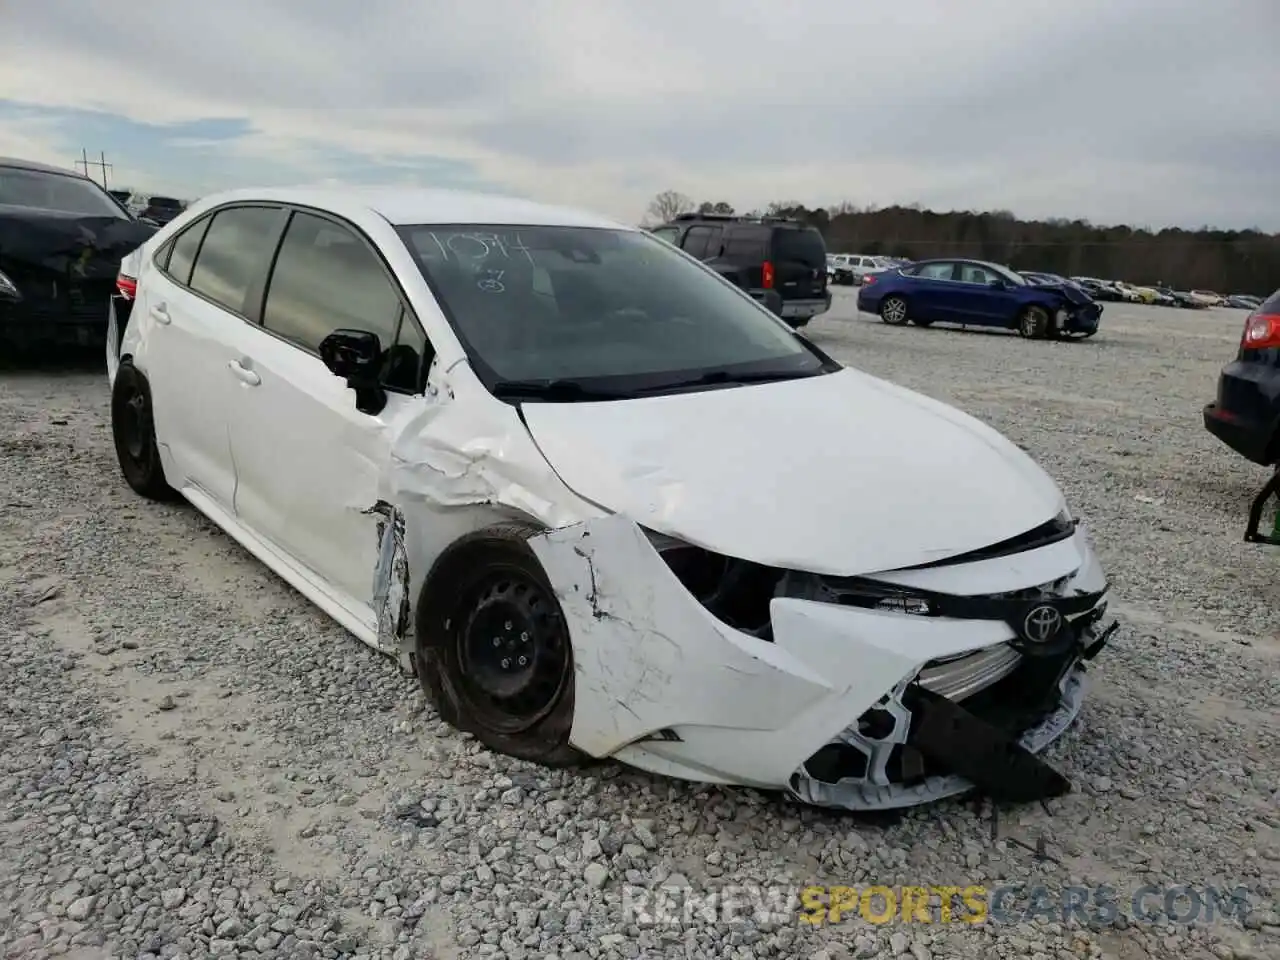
(413, 205)
(35, 165)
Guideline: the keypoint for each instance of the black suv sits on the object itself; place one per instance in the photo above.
(780, 262)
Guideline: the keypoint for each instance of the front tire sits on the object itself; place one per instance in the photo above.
(134, 432)
(493, 650)
(893, 311)
(1034, 323)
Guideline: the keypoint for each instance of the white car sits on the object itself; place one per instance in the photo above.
(550, 463)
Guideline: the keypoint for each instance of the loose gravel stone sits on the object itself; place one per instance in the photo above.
(195, 763)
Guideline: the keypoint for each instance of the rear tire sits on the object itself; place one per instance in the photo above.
(493, 650)
(1033, 323)
(134, 432)
(893, 311)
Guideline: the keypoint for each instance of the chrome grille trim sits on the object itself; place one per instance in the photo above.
(964, 676)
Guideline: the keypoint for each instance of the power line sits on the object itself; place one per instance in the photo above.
(101, 163)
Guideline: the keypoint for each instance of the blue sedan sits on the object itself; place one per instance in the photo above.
(977, 294)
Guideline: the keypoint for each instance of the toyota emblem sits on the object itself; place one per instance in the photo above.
(1042, 624)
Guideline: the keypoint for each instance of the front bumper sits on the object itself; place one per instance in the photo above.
(1083, 318)
(35, 325)
(664, 686)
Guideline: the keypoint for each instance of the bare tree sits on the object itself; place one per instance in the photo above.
(669, 204)
(706, 206)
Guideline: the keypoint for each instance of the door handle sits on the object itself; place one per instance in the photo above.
(244, 373)
(160, 314)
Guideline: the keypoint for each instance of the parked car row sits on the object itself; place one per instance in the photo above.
(1163, 295)
(849, 269)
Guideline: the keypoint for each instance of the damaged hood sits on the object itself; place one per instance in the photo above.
(68, 245)
(838, 474)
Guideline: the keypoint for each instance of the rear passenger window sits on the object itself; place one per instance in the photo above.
(697, 240)
(182, 252)
(327, 279)
(745, 248)
(236, 251)
(935, 271)
(1271, 305)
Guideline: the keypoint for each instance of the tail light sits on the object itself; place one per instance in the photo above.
(869, 278)
(128, 286)
(768, 275)
(1261, 330)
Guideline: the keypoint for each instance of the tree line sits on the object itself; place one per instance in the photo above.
(1227, 261)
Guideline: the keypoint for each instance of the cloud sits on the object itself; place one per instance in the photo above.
(1148, 111)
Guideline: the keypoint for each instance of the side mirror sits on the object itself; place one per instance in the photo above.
(356, 357)
(996, 284)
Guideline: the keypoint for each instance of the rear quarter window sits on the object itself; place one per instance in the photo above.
(1271, 304)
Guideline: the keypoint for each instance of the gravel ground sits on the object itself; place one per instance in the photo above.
(195, 762)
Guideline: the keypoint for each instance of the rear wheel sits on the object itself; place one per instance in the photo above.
(1034, 323)
(133, 430)
(493, 650)
(893, 311)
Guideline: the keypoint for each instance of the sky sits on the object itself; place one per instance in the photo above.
(1147, 112)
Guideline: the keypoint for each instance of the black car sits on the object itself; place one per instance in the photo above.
(1098, 289)
(781, 262)
(1246, 414)
(62, 237)
(1180, 298)
(162, 209)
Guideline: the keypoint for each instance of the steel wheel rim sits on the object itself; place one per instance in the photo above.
(512, 649)
(133, 426)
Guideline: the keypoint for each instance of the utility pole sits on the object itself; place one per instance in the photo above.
(101, 163)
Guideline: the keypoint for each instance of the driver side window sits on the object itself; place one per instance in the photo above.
(326, 278)
(973, 274)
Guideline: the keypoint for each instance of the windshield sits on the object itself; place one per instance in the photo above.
(613, 308)
(55, 191)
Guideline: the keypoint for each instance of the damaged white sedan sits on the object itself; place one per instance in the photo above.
(600, 501)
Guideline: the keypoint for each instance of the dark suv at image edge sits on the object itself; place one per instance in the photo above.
(782, 263)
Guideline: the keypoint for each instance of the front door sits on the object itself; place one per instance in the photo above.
(311, 468)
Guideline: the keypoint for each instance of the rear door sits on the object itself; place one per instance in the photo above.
(932, 293)
(195, 306)
(799, 263)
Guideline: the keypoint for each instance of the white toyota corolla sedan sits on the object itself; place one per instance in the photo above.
(600, 501)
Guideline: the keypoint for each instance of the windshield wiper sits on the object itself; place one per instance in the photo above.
(555, 391)
(724, 376)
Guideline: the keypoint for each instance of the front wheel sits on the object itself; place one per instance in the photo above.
(134, 433)
(1034, 323)
(493, 650)
(894, 311)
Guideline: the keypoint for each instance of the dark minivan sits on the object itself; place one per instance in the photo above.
(780, 262)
